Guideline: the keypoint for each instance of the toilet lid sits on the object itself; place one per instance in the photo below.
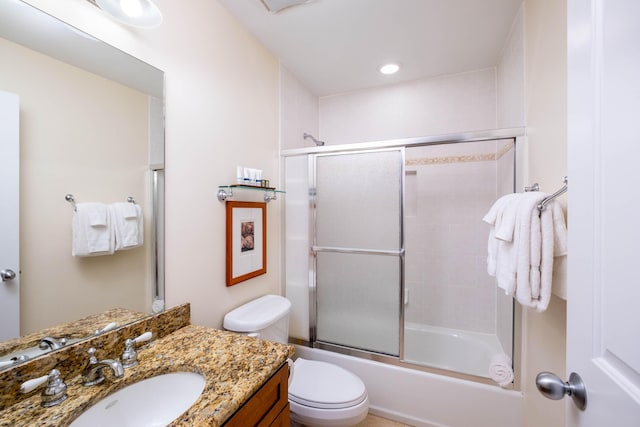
(326, 386)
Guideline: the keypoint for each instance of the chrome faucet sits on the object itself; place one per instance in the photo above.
(50, 343)
(92, 374)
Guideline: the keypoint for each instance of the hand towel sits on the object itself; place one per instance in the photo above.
(127, 224)
(496, 216)
(501, 216)
(500, 370)
(559, 230)
(547, 248)
(92, 231)
(527, 209)
(521, 257)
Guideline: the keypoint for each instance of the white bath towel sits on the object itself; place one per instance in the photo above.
(513, 257)
(559, 230)
(500, 370)
(522, 259)
(528, 240)
(92, 231)
(547, 231)
(128, 225)
(502, 217)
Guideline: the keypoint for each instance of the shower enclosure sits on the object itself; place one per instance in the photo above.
(385, 251)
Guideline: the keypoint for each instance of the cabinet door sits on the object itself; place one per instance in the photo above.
(267, 406)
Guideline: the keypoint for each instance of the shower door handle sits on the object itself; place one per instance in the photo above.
(552, 387)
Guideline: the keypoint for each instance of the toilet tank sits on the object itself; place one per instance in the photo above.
(267, 317)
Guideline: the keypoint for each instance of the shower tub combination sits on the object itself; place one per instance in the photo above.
(394, 288)
(466, 352)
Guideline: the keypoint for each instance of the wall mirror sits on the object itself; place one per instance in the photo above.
(91, 124)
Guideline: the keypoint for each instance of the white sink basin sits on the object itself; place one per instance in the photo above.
(154, 401)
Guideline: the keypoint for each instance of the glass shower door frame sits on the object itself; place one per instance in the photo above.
(315, 249)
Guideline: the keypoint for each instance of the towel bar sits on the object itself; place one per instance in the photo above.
(69, 198)
(543, 204)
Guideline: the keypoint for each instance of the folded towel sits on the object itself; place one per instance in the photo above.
(92, 231)
(559, 230)
(502, 217)
(128, 225)
(546, 258)
(522, 245)
(500, 370)
(512, 259)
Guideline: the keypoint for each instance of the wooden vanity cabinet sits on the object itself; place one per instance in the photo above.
(269, 406)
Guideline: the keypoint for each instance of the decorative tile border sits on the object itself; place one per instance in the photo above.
(425, 161)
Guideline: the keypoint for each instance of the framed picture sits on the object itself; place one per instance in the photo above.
(246, 241)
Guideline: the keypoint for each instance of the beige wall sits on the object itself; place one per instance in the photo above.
(85, 135)
(221, 111)
(546, 117)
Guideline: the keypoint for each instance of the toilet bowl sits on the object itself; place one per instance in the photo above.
(320, 393)
(323, 394)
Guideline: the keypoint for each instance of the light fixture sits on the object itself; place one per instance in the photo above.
(390, 68)
(137, 13)
(276, 6)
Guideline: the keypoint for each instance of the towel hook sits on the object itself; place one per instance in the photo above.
(69, 198)
(131, 200)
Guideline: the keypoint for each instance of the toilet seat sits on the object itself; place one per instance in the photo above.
(323, 385)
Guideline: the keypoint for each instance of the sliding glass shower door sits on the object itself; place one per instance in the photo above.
(358, 249)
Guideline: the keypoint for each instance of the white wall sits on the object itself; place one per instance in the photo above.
(446, 104)
(510, 75)
(298, 112)
(221, 111)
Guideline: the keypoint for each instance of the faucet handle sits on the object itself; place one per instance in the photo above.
(32, 384)
(130, 355)
(142, 338)
(108, 327)
(55, 391)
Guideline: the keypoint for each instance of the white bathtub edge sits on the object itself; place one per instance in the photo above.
(425, 399)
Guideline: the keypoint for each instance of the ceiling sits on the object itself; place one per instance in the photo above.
(335, 46)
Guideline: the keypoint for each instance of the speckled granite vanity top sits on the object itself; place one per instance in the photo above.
(77, 329)
(235, 366)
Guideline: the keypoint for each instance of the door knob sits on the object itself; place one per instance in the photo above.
(7, 274)
(551, 386)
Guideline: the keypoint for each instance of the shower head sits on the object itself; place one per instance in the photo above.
(318, 143)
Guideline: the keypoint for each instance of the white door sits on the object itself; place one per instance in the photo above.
(603, 301)
(9, 217)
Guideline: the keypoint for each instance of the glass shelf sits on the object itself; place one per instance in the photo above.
(226, 191)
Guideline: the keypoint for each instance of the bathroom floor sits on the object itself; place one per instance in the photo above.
(373, 421)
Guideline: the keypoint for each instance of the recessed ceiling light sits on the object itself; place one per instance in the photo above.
(389, 68)
(137, 13)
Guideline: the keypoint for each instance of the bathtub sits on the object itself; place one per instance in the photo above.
(426, 399)
(452, 349)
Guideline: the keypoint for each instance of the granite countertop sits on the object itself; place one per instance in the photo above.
(81, 328)
(235, 366)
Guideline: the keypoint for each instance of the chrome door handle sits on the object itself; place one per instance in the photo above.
(7, 275)
(551, 386)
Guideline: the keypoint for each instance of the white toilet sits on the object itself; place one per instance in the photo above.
(320, 393)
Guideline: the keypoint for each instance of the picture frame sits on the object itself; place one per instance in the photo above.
(246, 241)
